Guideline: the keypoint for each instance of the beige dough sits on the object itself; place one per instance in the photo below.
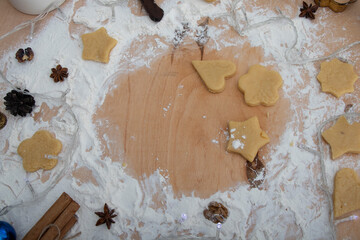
(246, 138)
(346, 192)
(343, 137)
(39, 151)
(260, 86)
(214, 72)
(337, 77)
(97, 46)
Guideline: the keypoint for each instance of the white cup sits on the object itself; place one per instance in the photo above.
(34, 7)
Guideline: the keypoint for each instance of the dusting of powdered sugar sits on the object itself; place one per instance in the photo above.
(291, 205)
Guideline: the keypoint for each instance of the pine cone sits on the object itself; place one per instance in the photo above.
(19, 103)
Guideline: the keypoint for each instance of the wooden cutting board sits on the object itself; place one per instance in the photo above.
(163, 117)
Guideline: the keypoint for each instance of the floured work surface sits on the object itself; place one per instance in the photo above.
(166, 119)
(159, 136)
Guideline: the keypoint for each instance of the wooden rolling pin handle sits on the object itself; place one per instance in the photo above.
(154, 11)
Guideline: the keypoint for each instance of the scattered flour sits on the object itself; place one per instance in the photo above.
(292, 206)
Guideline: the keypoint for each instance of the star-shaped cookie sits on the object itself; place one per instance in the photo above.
(260, 86)
(337, 77)
(346, 192)
(246, 138)
(214, 72)
(97, 46)
(39, 151)
(343, 137)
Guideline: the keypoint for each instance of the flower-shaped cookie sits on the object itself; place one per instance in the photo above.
(346, 192)
(260, 86)
(97, 46)
(246, 138)
(343, 137)
(337, 77)
(39, 151)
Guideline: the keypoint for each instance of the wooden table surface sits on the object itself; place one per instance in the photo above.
(180, 140)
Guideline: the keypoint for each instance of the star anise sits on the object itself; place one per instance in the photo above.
(106, 216)
(308, 11)
(59, 73)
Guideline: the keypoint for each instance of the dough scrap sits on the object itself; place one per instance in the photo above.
(337, 77)
(246, 138)
(343, 137)
(260, 86)
(346, 195)
(97, 46)
(214, 72)
(38, 151)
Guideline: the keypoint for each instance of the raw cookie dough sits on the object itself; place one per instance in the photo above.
(260, 86)
(97, 46)
(343, 137)
(214, 72)
(337, 77)
(246, 138)
(39, 151)
(346, 192)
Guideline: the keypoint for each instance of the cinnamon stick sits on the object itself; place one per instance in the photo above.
(61, 221)
(68, 226)
(49, 217)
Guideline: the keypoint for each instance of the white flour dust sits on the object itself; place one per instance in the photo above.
(291, 205)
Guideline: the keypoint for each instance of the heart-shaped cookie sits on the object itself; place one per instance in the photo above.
(346, 192)
(214, 72)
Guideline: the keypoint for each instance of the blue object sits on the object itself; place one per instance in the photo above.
(7, 232)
